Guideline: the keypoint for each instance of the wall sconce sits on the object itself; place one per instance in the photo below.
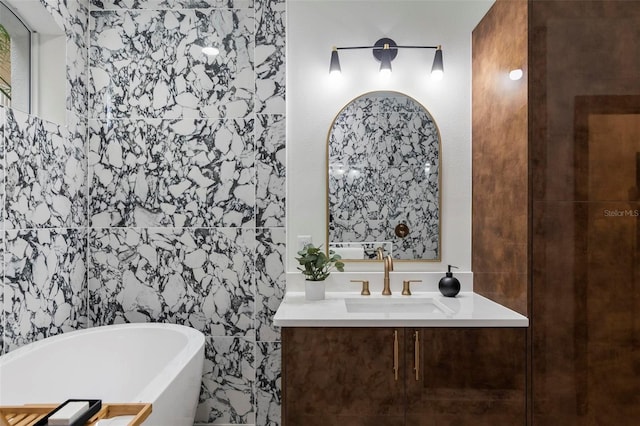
(385, 50)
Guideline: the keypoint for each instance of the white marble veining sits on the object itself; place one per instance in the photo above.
(191, 172)
(227, 382)
(271, 170)
(268, 383)
(2, 180)
(45, 284)
(149, 63)
(45, 173)
(186, 187)
(270, 281)
(43, 186)
(2, 227)
(190, 143)
(2, 291)
(170, 4)
(270, 56)
(383, 171)
(200, 277)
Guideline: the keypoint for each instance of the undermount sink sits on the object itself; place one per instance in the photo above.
(421, 305)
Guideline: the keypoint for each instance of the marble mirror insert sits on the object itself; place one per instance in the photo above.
(383, 179)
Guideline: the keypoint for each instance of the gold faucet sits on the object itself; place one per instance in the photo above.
(388, 266)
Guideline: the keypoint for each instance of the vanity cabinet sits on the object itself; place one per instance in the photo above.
(341, 376)
(403, 376)
(466, 376)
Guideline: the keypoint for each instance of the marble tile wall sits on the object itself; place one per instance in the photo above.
(44, 228)
(45, 284)
(163, 196)
(43, 232)
(2, 198)
(45, 173)
(186, 177)
(182, 172)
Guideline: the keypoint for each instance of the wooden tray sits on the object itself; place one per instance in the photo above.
(26, 415)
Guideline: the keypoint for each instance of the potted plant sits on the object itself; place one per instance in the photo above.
(316, 266)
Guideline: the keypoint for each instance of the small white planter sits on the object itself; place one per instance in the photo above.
(314, 290)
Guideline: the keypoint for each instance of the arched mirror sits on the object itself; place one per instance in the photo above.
(383, 179)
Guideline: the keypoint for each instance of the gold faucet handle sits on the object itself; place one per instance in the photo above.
(365, 287)
(406, 286)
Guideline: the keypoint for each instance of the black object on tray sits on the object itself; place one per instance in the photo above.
(94, 407)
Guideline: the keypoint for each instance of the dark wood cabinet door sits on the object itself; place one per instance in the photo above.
(342, 377)
(466, 376)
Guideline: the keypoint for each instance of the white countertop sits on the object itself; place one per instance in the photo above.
(467, 309)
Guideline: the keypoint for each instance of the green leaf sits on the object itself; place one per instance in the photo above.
(316, 265)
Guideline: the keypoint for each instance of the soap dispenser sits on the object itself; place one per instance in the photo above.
(449, 285)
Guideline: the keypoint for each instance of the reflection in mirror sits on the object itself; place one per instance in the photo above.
(15, 54)
(383, 179)
(32, 60)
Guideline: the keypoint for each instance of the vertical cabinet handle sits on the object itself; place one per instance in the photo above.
(396, 350)
(416, 354)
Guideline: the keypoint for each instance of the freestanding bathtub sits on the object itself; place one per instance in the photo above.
(156, 363)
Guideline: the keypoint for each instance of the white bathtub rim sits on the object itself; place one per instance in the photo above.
(151, 392)
(172, 369)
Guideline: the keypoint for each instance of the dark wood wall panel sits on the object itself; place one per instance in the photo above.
(584, 144)
(499, 152)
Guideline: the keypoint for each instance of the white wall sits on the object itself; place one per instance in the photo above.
(49, 77)
(313, 100)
